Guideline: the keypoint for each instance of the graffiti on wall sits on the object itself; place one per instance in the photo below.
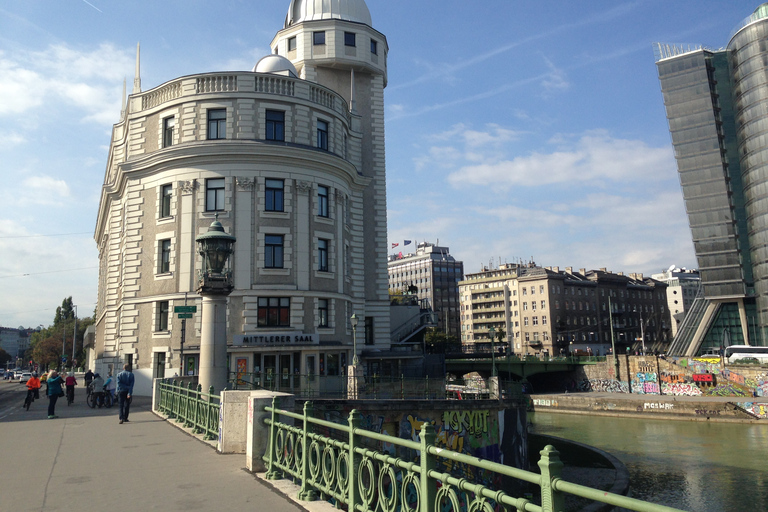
(726, 389)
(758, 409)
(645, 383)
(474, 422)
(605, 386)
(672, 378)
(680, 389)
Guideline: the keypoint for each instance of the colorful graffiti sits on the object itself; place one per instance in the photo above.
(758, 409)
(672, 378)
(474, 422)
(606, 386)
(725, 389)
(680, 389)
(645, 383)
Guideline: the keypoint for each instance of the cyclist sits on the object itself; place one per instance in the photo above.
(33, 390)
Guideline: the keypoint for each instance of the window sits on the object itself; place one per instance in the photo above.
(322, 255)
(217, 123)
(214, 195)
(166, 191)
(322, 135)
(349, 39)
(165, 257)
(168, 125)
(374, 47)
(322, 313)
(322, 201)
(273, 200)
(525, 306)
(275, 125)
(161, 316)
(291, 44)
(318, 38)
(273, 249)
(535, 320)
(274, 312)
(525, 321)
(544, 320)
(369, 330)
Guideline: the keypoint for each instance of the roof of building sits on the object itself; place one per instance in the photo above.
(277, 65)
(309, 10)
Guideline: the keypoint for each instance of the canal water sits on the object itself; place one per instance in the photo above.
(694, 466)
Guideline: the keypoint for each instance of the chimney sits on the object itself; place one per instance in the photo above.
(603, 269)
(569, 270)
(583, 271)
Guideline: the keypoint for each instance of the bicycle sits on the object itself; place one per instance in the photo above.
(30, 398)
(99, 399)
(70, 395)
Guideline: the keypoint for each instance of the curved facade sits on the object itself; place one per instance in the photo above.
(717, 106)
(291, 168)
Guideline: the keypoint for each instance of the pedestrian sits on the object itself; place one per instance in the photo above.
(71, 382)
(124, 391)
(88, 378)
(110, 386)
(54, 383)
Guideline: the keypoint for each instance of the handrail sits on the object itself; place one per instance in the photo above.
(192, 407)
(342, 464)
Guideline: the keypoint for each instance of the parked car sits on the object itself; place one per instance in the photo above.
(25, 376)
(8, 375)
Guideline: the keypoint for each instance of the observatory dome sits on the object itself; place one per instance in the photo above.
(308, 10)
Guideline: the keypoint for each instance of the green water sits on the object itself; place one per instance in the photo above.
(694, 466)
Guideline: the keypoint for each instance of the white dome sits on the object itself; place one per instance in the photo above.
(348, 10)
(277, 65)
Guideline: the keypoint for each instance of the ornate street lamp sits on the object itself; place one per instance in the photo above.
(353, 321)
(214, 285)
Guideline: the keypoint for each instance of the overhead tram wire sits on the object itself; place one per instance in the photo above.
(49, 272)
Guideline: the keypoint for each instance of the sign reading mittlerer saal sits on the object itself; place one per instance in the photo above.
(277, 338)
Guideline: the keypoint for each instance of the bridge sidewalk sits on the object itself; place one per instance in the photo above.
(85, 460)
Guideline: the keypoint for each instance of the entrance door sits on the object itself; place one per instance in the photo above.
(286, 376)
(270, 372)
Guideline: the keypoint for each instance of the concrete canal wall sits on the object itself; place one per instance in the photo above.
(651, 406)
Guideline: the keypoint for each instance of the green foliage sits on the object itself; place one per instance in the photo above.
(46, 344)
(64, 312)
(438, 342)
(4, 357)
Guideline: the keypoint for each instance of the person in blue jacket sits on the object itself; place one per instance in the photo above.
(54, 383)
(124, 391)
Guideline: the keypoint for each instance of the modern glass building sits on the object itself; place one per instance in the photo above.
(717, 106)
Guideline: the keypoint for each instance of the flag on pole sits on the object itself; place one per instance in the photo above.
(394, 245)
(407, 242)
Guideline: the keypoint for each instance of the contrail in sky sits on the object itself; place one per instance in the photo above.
(89, 3)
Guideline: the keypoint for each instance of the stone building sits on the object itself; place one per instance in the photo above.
(290, 158)
(435, 274)
(549, 311)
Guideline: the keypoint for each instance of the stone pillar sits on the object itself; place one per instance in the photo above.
(257, 435)
(213, 343)
(355, 382)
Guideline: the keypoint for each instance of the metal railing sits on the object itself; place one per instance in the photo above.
(190, 406)
(376, 387)
(339, 463)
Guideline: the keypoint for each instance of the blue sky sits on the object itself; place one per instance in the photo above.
(515, 130)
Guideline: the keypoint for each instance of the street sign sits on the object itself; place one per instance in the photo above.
(185, 309)
(185, 315)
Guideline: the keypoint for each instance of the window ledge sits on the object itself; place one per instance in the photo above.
(163, 276)
(161, 334)
(275, 215)
(275, 271)
(324, 275)
(324, 220)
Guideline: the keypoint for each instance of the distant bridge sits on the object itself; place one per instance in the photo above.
(513, 367)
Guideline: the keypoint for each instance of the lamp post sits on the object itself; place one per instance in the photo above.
(355, 379)
(74, 340)
(214, 285)
(353, 321)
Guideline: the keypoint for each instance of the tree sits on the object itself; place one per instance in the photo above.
(4, 357)
(438, 342)
(64, 312)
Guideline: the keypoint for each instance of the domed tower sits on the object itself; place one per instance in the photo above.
(333, 43)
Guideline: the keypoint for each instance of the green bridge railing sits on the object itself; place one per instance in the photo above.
(190, 406)
(340, 465)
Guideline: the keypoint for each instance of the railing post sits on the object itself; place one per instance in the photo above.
(353, 493)
(428, 490)
(402, 386)
(550, 465)
(272, 472)
(211, 421)
(306, 493)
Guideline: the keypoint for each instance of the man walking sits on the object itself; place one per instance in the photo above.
(124, 391)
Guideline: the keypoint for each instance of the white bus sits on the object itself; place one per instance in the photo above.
(737, 353)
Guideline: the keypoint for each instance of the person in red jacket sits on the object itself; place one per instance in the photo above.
(33, 390)
(71, 382)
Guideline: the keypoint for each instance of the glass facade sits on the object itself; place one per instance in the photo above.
(717, 107)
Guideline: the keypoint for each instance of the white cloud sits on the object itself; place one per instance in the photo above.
(556, 80)
(62, 76)
(9, 140)
(594, 158)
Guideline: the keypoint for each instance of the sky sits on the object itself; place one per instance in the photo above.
(516, 131)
